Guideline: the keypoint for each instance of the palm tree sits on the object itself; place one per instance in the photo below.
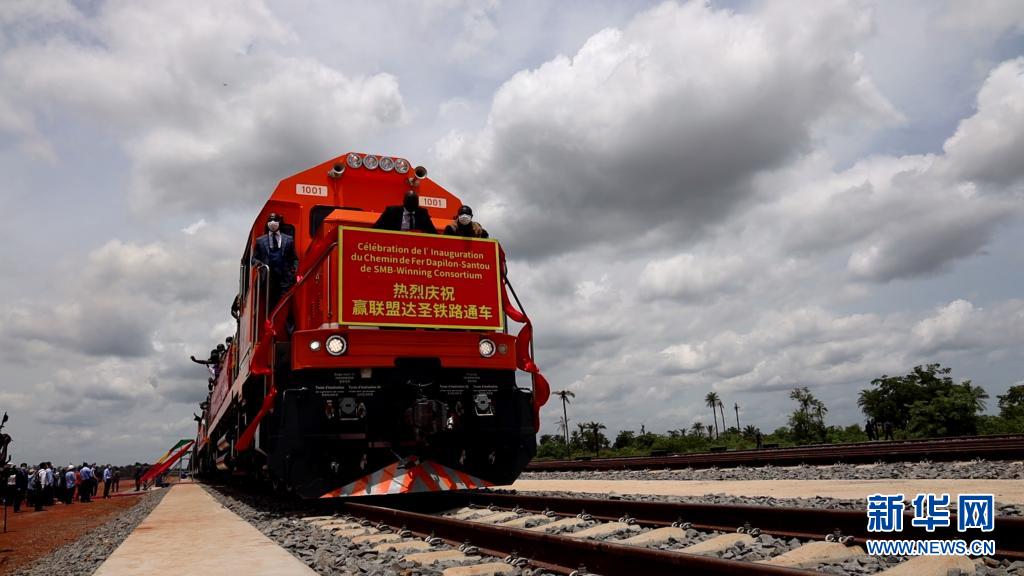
(595, 431)
(978, 393)
(736, 406)
(709, 430)
(820, 410)
(565, 395)
(711, 401)
(803, 398)
(698, 429)
(721, 408)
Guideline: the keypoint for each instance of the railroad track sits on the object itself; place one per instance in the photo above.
(512, 533)
(985, 447)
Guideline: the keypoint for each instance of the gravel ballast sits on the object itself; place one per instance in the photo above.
(329, 554)
(321, 550)
(814, 502)
(972, 470)
(84, 556)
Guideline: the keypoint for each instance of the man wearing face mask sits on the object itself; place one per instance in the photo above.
(465, 226)
(409, 217)
(277, 250)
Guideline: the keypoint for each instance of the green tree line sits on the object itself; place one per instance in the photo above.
(926, 403)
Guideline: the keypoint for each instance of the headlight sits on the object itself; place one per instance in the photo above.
(487, 348)
(370, 162)
(336, 345)
(314, 345)
(401, 166)
(386, 164)
(354, 160)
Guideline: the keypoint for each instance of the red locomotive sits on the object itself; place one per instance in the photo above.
(388, 365)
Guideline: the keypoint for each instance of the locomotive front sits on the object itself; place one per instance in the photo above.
(389, 366)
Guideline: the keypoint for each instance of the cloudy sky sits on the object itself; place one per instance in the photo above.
(742, 197)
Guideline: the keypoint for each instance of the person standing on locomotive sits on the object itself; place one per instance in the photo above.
(276, 250)
(465, 226)
(409, 217)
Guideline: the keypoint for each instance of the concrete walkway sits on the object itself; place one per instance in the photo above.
(1005, 491)
(191, 533)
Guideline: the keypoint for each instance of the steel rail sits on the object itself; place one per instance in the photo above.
(997, 448)
(561, 553)
(803, 523)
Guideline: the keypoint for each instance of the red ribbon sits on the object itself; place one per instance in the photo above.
(524, 356)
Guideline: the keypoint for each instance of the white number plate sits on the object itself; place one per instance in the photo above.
(432, 202)
(310, 190)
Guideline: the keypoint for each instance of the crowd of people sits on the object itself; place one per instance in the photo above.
(40, 486)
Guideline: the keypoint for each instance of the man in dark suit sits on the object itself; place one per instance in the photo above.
(409, 217)
(20, 485)
(277, 250)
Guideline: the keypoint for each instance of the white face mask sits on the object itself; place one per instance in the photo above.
(465, 219)
(273, 225)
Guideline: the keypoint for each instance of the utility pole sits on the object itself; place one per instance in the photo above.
(5, 441)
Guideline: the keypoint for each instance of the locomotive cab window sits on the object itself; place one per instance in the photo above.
(319, 213)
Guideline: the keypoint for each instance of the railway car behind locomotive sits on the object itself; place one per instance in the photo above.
(388, 365)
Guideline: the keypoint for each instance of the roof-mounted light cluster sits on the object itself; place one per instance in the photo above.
(371, 162)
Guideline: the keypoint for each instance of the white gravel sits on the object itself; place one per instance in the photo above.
(972, 470)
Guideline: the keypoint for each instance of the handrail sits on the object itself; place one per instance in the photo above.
(246, 438)
(504, 278)
(286, 297)
(262, 273)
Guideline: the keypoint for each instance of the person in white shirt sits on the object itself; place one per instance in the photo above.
(108, 476)
(69, 485)
(41, 493)
(85, 488)
(51, 484)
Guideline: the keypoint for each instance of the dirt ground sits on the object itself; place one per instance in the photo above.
(31, 534)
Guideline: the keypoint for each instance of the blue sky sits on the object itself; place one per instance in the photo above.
(739, 197)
